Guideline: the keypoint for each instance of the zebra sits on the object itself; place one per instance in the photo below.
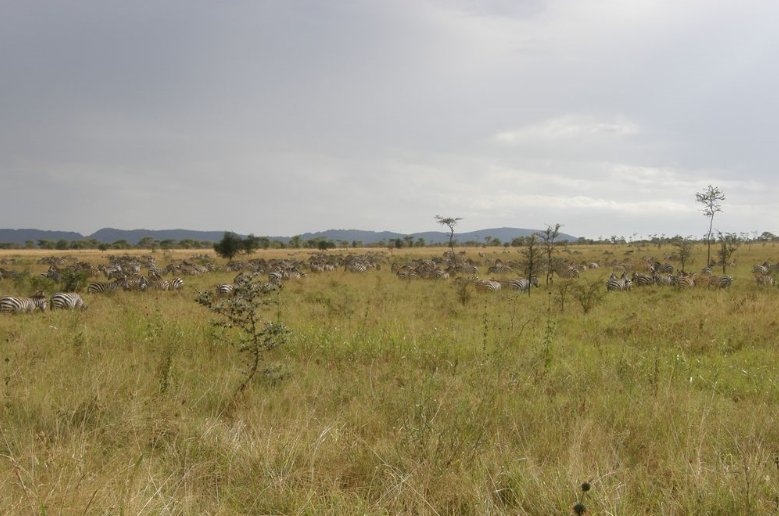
(134, 283)
(100, 287)
(224, 289)
(666, 268)
(621, 283)
(275, 276)
(761, 268)
(664, 279)
(683, 280)
(487, 285)
(523, 284)
(721, 281)
(23, 304)
(764, 280)
(162, 284)
(67, 300)
(643, 280)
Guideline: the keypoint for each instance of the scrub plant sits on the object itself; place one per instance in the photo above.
(242, 310)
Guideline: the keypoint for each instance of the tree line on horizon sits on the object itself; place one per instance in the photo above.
(254, 243)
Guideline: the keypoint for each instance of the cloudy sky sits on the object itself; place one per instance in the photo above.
(281, 117)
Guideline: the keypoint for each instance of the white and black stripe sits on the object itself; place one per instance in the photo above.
(523, 284)
(67, 301)
(618, 284)
(22, 304)
(224, 289)
(100, 287)
(487, 285)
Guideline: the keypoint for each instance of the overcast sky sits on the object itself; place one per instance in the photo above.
(281, 117)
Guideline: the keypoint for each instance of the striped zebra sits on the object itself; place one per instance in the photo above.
(720, 281)
(23, 304)
(761, 268)
(487, 285)
(224, 289)
(356, 267)
(664, 280)
(101, 287)
(618, 284)
(644, 280)
(406, 273)
(134, 283)
(163, 284)
(67, 301)
(665, 268)
(683, 280)
(523, 284)
(764, 280)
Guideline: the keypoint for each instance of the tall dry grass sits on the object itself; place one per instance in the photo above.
(393, 397)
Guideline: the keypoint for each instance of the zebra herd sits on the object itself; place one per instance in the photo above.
(135, 282)
(521, 284)
(60, 300)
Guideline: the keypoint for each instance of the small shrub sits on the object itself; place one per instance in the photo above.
(589, 294)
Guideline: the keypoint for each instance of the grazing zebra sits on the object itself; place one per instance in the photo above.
(665, 268)
(163, 284)
(100, 287)
(355, 267)
(664, 279)
(224, 289)
(23, 304)
(683, 280)
(406, 273)
(134, 283)
(621, 283)
(500, 268)
(764, 280)
(761, 268)
(643, 280)
(487, 285)
(275, 276)
(523, 284)
(721, 281)
(67, 300)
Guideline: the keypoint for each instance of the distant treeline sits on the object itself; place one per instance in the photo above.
(322, 243)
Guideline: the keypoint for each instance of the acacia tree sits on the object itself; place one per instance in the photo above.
(548, 237)
(729, 242)
(532, 257)
(230, 245)
(449, 222)
(710, 199)
(684, 248)
(243, 311)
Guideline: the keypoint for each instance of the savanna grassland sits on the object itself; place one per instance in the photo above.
(394, 396)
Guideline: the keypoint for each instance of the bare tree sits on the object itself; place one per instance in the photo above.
(710, 199)
(532, 258)
(449, 222)
(548, 237)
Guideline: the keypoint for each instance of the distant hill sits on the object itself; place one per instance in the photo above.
(431, 237)
(133, 236)
(20, 236)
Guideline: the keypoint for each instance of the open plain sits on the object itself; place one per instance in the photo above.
(397, 395)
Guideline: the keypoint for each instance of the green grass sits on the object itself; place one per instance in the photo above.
(392, 397)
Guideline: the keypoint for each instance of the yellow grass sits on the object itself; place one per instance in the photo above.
(392, 397)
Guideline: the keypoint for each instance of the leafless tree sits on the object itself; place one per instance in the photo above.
(710, 199)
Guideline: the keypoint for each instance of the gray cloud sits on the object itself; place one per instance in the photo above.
(283, 117)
